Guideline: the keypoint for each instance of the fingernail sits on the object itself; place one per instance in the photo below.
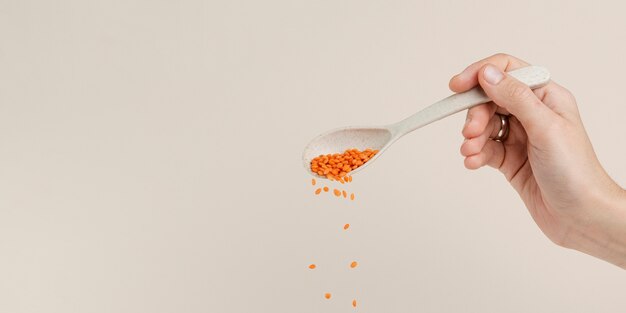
(468, 120)
(492, 75)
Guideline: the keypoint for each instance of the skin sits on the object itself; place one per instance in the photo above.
(547, 158)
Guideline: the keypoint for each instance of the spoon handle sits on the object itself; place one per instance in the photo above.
(533, 76)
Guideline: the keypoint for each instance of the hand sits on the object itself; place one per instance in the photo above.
(547, 158)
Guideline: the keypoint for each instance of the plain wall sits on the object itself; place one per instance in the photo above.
(150, 156)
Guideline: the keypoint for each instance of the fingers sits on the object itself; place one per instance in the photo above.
(469, 77)
(479, 150)
(492, 154)
(556, 97)
(507, 157)
(517, 98)
(475, 144)
(477, 119)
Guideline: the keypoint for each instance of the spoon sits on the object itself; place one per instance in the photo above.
(381, 137)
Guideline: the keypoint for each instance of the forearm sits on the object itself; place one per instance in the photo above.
(604, 235)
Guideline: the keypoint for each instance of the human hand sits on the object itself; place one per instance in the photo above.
(547, 158)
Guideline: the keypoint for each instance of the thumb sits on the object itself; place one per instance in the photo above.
(517, 98)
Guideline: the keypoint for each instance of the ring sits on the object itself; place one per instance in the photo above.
(503, 133)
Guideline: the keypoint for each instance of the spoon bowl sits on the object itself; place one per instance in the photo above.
(381, 137)
(340, 139)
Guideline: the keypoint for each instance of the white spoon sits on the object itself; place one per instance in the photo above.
(381, 137)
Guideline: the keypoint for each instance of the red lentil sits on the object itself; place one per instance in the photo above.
(337, 166)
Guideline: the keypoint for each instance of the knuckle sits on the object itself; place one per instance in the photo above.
(510, 60)
(501, 55)
(561, 92)
(568, 95)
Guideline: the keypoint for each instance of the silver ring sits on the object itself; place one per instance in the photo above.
(503, 133)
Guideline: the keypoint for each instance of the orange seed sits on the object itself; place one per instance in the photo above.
(354, 264)
(327, 295)
(325, 189)
(337, 192)
(313, 181)
(346, 226)
(352, 197)
(354, 303)
(318, 190)
(312, 266)
(345, 194)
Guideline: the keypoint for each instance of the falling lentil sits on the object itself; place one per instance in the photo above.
(336, 167)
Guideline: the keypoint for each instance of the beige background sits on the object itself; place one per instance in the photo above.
(150, 156)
